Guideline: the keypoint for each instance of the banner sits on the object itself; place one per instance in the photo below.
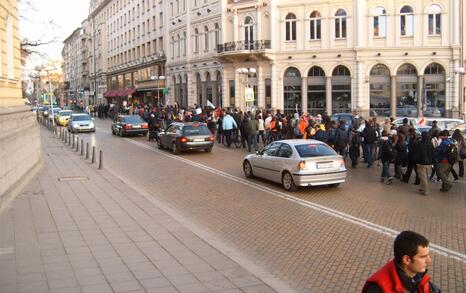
(249, 94)
(209, 104)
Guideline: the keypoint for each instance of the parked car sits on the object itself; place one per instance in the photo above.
(444, 123)
(348, 117)
(129, 125)
(182, 136)
(62, 117)
(81, 122)
(406, 110)
(297, 162)
(411, 121)
(461, 127)
(47, 112)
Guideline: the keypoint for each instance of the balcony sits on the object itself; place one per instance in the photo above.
(244, 46)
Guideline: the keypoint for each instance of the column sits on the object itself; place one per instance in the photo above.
(328, 95)
(420, 95)
(258, 27)
(304, 94)
(214, 92)
(239, 92)
(393, 96)
(204, 92)
(260, 87)
(236, 26)
(275, 92)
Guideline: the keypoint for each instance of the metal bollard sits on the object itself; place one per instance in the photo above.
(65, 139)
(77, 144)
(69, 138)
(82, 147)
(87, 151)
(72, 145)
(93, 155)
(101, 160)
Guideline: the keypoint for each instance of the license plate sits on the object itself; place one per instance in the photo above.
(136, 126)
(324, 165)
(84, 125)
(198, 139)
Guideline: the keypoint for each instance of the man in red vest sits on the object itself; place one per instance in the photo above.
(407, 272)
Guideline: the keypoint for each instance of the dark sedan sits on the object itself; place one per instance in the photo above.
(181, 136)
(129, 125)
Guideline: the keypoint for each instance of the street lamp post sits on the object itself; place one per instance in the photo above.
(47, 69)
(158, 78)
(247, 87)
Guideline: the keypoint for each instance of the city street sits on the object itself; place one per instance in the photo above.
(259, 237)
(315, 240)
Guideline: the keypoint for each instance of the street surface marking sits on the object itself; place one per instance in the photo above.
(6, 250)
(320, 208)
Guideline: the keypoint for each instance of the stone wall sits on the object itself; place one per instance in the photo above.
(20, 150)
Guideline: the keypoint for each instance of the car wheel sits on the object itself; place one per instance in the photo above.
(159, 144)
(247, 169)
(113, 131)
(208, 150)
(120, 133)
(334, 185)
(175, 149)
(288, 182)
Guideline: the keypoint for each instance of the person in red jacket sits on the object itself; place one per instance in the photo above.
(407, 272)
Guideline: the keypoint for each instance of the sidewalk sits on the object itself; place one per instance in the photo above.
(78, 229)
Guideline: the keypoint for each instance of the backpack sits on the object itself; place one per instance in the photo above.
(452, 153)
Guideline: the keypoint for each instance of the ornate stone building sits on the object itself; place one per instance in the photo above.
(390, 58)
(19, 138)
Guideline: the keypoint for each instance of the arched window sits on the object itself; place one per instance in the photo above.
(315, 25)
(217, 34)
(406, 21)
(292, 90)
(316, 91)
(340, 24)
(178, 44)
(206, 38)
(435, 20)
(434, 89)
(184, 43)
(380, 90)
(290, 27)
(341, 90)
(196, 40)
(248, 31)
(172, 47)
(406, 91)
(380, 22)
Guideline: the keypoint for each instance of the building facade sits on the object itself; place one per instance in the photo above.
(20, 154)
(76, 55)
(375, 57)
(387, 58)
(194, 73)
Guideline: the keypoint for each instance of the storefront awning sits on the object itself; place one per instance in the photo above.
(119, 93)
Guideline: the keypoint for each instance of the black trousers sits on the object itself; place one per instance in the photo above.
(409, 170)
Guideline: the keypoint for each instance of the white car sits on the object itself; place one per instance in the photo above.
(297, 162)
(81, 122)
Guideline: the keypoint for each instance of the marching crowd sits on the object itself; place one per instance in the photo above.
(430, 156)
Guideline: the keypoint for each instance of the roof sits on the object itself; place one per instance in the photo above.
(301, 141)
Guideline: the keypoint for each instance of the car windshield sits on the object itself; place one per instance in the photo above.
(132, 119)
(196, 130)
(81, 118)
(314, 150)
(67, 113)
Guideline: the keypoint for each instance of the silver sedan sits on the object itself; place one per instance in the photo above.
(297, 162)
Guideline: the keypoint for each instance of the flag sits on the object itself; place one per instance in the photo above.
(209, 104)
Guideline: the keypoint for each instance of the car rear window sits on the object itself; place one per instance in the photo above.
(196, 130)
(314, 150)
(132, 119)
(81, 118)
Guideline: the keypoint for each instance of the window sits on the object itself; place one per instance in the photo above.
(196, 40)
(406, 21)
(206, 38)
(217, 34)
(285, 151)
(315, 25)
(435, 22)
(290, 27)
(380, 22)
(173, 46)
(184, 44)
(248, 31)
(272, 149)
(340, 24)
(178, 49)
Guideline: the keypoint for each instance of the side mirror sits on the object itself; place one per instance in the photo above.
(260, 153)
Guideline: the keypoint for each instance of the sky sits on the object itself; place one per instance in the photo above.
(50, 19)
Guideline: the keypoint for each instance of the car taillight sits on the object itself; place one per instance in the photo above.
(145, 125)
(211, 138)
(126, 126)
(183, 139)
(302, 165)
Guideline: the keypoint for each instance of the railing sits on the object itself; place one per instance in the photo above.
(244, 46)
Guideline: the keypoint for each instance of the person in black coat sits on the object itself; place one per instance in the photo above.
(370, 138)
(412, 141)
(401, 154)
(424, 159)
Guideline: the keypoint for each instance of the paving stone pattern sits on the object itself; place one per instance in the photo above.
(95, 236)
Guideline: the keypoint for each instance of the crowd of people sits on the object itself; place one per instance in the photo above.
(431, 156)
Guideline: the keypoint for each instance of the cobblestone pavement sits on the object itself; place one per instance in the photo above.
(91, 232)
(312, 250)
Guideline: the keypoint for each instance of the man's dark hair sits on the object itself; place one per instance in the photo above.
(405, 120)
(407, 243)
